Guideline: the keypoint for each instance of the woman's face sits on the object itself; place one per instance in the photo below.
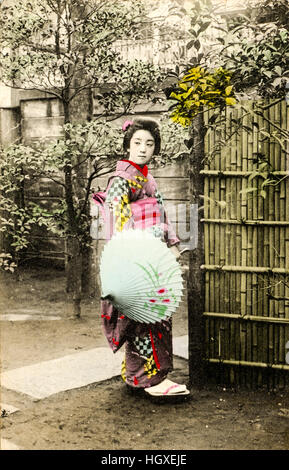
(141, 147)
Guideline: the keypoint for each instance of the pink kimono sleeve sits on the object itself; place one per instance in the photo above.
(170, 235)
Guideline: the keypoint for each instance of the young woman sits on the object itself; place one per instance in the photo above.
(148, 348)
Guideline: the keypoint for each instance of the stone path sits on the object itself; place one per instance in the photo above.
(25, 314)
(76, 370)
(65, 373)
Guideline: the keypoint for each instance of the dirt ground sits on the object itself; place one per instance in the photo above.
(103, 415)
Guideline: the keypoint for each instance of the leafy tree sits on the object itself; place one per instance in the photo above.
(272, 11)
(66, 48)
(253, 49)
(258, 56)
(198, 89)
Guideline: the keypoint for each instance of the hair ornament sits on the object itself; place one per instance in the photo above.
(126, 125)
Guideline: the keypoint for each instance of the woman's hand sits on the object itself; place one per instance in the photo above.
(176, 252)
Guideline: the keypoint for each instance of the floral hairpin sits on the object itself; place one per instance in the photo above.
(126, 125)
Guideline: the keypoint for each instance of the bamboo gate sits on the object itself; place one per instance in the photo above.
(246, 252)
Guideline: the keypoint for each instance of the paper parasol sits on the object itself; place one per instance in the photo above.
(140, 276)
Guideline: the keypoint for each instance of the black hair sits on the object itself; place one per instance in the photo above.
(143, 124)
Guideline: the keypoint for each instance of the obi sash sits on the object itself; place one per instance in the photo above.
(145, 213)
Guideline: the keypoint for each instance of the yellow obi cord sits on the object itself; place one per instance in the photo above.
(122, 212)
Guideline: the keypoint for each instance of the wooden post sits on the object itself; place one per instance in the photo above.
(196, 278)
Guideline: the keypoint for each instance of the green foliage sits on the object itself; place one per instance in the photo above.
(200, 88)
(252, 45)
(260, 63)
(202, 16)
(7, 263)
(272, 11)
(65, 46)
(263, 169)
(136, 81)
(18, 216)
(255, 48)
(173, 146)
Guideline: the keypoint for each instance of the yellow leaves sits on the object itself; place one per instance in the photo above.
(230, 101)
(184, 86)
(228, 90)
(177, 117)
(189, 103)
(206, 88)
(181, 96)
(194, 74)
(175, 96)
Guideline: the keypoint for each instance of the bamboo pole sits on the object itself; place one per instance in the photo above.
(228, 233)
(249, 364)
(250, 137)
(254, 353)
(222, 246)
(207, 141)
(266, 259)
(249, 263)
(231, 339)
(270, 357)
(208, 322)
(278, 237)
(244, 239)
(286, 215)
(253, 318)
(227, 245)
(249, 269)
(211, 254)
(217, 159)
(246, 222)
(235, 249)
(277, 120)
(238, 173)
(215, 284)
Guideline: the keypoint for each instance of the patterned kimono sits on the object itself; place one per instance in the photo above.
(148, 347)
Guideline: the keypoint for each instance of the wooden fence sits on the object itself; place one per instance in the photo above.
(247, 251)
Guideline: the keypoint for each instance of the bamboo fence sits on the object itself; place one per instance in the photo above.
(247, 250)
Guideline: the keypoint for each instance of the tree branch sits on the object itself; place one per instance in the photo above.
(42, 90)
(91, 177)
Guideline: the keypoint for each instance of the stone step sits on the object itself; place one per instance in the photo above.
(180, 346)
(65, 373)
(76, 370)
